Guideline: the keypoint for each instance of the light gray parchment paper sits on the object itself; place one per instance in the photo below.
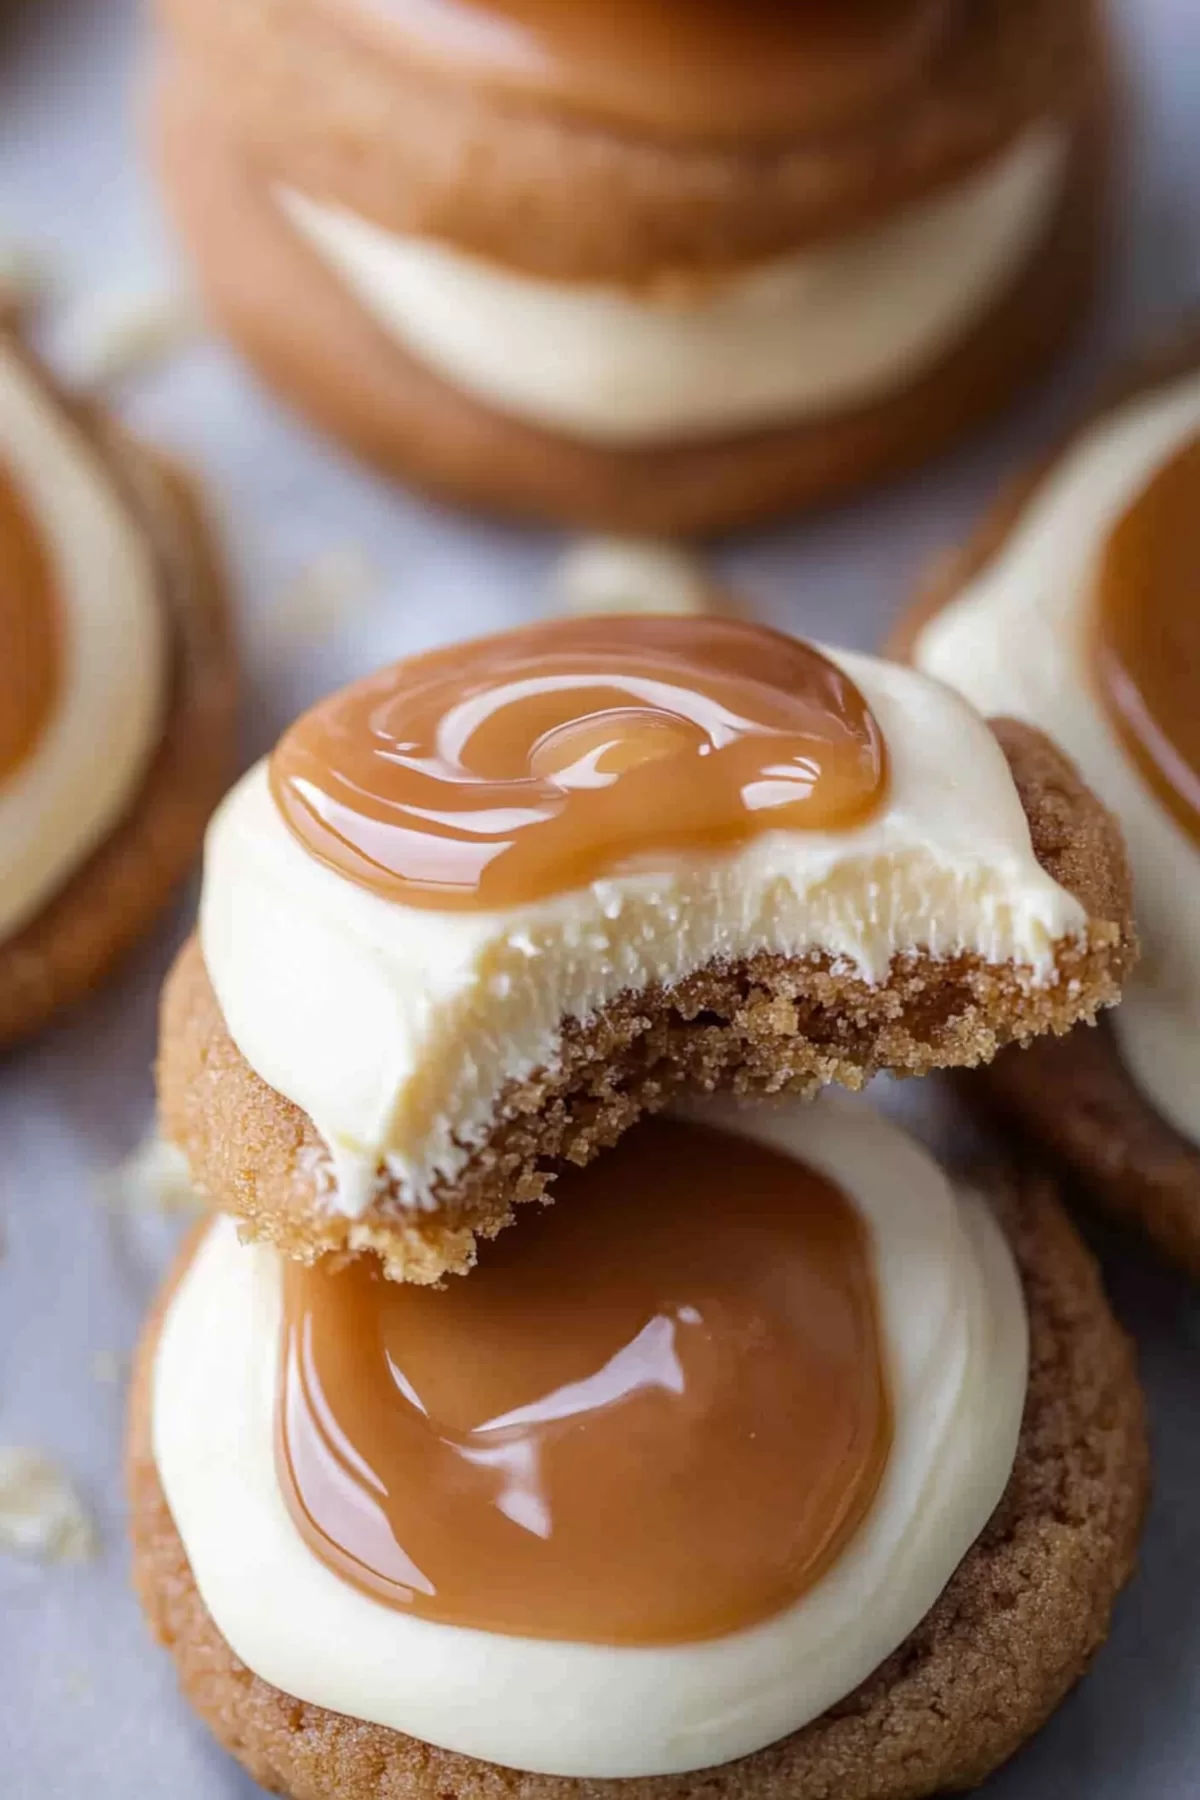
(88, 1708)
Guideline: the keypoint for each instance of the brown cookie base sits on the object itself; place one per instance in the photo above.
(327, 99)
(311, 340)
(1013, 1630)
(764, 1027)
(113, 898)
(1075, 1098)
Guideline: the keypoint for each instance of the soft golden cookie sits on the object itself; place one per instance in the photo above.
(1016, 1626)
(322, 352)
(111, 900)
(285, 97)
(534, 184)
(770, 1026)
(1074, 1097)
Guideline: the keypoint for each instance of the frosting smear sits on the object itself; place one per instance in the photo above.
(505, 770)
(656, 1413)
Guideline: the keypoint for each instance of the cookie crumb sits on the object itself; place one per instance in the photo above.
(317, 600)
(41, 1513)
(122, 334)
(77, 1685)
(106, 1367)
(25, 278)
(153, 1178)
(609, 575)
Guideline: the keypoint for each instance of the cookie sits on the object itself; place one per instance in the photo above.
(74, 907)
(683, 318)
(536, 181)
(506, 1056)
(1078, 1099)
(1016, 1626)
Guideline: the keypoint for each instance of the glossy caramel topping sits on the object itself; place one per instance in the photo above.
(1147, 634)
(656, 1412)
(693, 68)
(502, 771)
(30, 631)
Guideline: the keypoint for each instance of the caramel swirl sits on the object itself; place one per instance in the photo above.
(656, 1412)
(31, 650)
(693, 68)
(1146, 638)
(505, 770)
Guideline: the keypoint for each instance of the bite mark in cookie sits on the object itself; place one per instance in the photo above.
(432, 1067)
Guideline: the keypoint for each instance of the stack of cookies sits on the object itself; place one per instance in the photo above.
(657, 266)
(760, 1455)
(573, 1380)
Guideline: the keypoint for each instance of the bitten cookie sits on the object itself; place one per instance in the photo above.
(1053, 1449)
(1072, 608)
(660, 279)
(664, 853)
(117, 690)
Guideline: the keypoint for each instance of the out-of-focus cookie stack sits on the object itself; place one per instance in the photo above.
(657, 267)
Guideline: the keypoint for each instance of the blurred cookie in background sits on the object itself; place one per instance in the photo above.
(117, 689)
(661, 269)
(1074, 608)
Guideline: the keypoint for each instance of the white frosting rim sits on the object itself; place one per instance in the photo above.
(1013, 641)
(78, 779)
(953, 1318)
(822, 329)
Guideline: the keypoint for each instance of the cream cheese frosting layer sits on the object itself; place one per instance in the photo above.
(1014, 641)
(955, 1336)
(827, 328)
(397, 1029)
(70, 791)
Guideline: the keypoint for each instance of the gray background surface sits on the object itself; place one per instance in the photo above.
(87, 1706)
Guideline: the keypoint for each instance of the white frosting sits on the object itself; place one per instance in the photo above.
(70, 791)
(954, 1331)
(1014, 642)
(396, 1028)
(824, 328)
